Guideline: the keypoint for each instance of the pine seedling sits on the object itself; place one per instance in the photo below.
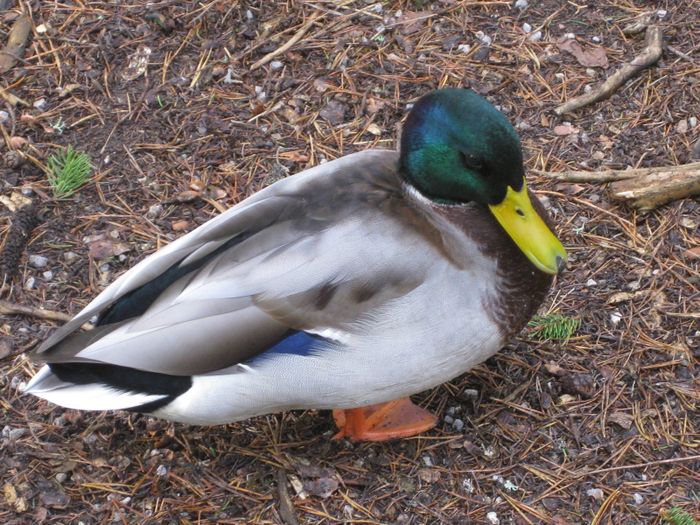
(553, 327)
(67, 171)
(677, 516)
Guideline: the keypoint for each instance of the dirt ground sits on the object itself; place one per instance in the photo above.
(181, 122)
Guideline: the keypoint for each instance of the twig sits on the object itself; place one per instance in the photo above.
(284, 47)
(649, 55)
(286, 509)
(8, 308)
(638, 465)
(613, 175)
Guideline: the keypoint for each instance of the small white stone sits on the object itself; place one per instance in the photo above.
(427, 461)
(42, 28)
(249, 14)
(591, 282)
(4, 117)
(489, 452)
(527, 28)
(596, 39)
(61, 477)
(693, 121)
(521, 4)
(449, 420)
(468, 485)
(493, 518)
(458, 425)
(162, 471)
(535, 37)
(661, 13)
(29, 283)
(40, 104)
(595, 493)
(587, 88)
(38, 261)
(377, 8)
(615, 317)
(464, 48)
(483, 38)
(276, 65)
(47, 275)
(69, 257)
(638, 498)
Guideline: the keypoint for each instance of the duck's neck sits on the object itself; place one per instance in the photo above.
(521, 287)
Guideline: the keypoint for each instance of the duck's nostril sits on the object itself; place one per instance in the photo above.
(561, 264)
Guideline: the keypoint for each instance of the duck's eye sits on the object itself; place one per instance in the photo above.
(471, 162)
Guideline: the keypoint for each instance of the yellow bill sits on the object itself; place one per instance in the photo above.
(530, 233)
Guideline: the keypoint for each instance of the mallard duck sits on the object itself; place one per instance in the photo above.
(348, 286)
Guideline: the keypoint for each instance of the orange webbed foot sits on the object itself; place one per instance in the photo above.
(395, 419)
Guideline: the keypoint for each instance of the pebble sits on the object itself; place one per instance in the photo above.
(70, 257)
(61, 477)
(276, 65)
(638, 499)
(493, 518)
(615, 317)
(483, 38)
(39, 104)
(427, 461)
(29, 283)
(464, 48)
(154, 211)
(27, 191)
(682, 126)
(661, 13)
(458, 425)
(527, 27)
(4, 117)
(449, 420)
(47, 275)
(596, 39)
(693, 121)
(521, 4)
(162, 471)
(535, 37)
(38, 261)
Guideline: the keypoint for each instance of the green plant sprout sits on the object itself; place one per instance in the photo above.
(68, 170)
(553, 327)
(677, 516)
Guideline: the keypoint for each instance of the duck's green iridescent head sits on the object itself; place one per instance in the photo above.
(457, 148)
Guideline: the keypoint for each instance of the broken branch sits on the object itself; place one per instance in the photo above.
(654, 189)
(649, 56)
(613, 175)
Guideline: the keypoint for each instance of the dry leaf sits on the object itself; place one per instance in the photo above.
(105, 248)
(565, 129)
(412, 21)
(621, 297)
(179, 226)
(623, 419)
(186, 196)
(429, 475)
(554, 369)
(138, 63)
(589, 57)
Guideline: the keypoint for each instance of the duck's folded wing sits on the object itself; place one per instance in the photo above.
(311, 254)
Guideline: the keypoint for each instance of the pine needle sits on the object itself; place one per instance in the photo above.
(553, 327)
(67, 171)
